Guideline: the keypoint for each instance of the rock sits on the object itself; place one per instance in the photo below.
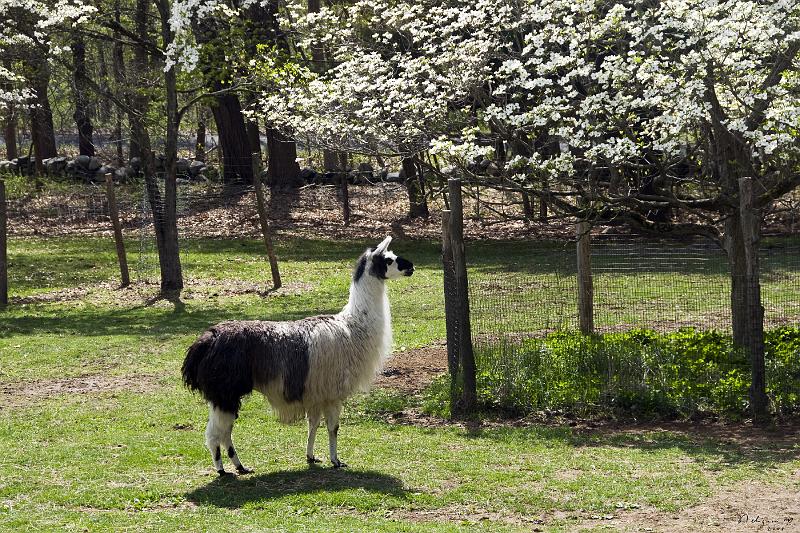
(71, 167)
(83, 161)
(395, 176)
(195, 168)
(121, 174)
(365, 173)
(182, 167)
(94, 164)
(105, 169)
(308, 175)
(56, 165)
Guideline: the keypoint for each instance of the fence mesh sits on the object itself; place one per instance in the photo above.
(523, 313)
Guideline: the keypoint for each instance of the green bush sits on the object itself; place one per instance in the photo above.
(638, 372)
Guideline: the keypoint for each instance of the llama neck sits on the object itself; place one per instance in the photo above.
(368, 299)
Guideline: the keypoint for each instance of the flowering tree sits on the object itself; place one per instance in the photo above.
(26, 44)
(636, 112)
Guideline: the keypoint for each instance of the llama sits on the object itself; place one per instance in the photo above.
(306, 367)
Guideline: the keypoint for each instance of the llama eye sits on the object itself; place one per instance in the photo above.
(389, 261)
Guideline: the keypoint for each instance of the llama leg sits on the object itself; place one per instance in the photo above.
(332, 421)
(313, 423)
(227, 444)
(218, 431)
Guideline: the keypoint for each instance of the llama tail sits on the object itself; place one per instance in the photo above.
(195, 355)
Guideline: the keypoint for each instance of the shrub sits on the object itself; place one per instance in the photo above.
(639, 372)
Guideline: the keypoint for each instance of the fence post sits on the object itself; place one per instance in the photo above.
(751, 229)
(450, 292)
(466, 355)
(262, 217)
(585, 283)
(3, 246)
(114, 214)
(344, 190)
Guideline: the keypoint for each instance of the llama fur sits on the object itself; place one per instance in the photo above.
(305, 368)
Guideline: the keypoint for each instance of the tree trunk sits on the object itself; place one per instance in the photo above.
(734, 248)
(750, 223)
(200, 137)
(168, 253)
(254, 137)
(42, 133)
(10, 133)
(418, 206)
(9, 122)
(139, 101)
(237, 162)
(283, 170)
(118, 69)
(81, 115)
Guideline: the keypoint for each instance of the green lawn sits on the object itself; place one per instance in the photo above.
(132, 457)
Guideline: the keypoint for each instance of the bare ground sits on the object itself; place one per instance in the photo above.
(20, 394)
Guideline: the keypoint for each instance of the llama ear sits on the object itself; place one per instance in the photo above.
(383, 245)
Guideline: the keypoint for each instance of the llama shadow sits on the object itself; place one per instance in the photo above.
(234, 491)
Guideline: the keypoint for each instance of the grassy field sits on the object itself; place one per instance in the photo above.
(98, 433)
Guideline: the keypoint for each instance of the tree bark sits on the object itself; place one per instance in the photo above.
(42, 132)
(82, 119)
(754, 337)
(118, 69)
(200, 137)
(237, 161)
(283, 169)
(585, 283)
(139, 102)
(254, 137)
(10, 133)
(169, 253)
(469, 399)
(418, 206)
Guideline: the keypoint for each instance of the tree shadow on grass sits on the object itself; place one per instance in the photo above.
(234, 491)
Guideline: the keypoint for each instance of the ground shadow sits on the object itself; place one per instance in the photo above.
(235, 491)
(709, 444)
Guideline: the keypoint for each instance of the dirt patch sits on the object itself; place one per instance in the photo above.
(413, 370)
(463, 514)
(19, 394)
(745, 507)
(145, 292)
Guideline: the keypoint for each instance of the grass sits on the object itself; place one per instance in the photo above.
(133, 458)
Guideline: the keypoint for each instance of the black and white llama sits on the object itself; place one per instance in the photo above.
(305, 367)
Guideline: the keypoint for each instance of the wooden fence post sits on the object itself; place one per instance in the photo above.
(585, 282)
(262, 217)
(3, 246)
(344, 190)
(113, 212)
(451, 318)
(466, 354)
(751, 235)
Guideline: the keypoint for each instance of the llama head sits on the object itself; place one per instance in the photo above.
(382, 263)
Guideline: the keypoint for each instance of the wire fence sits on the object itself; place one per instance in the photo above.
(665, 309)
